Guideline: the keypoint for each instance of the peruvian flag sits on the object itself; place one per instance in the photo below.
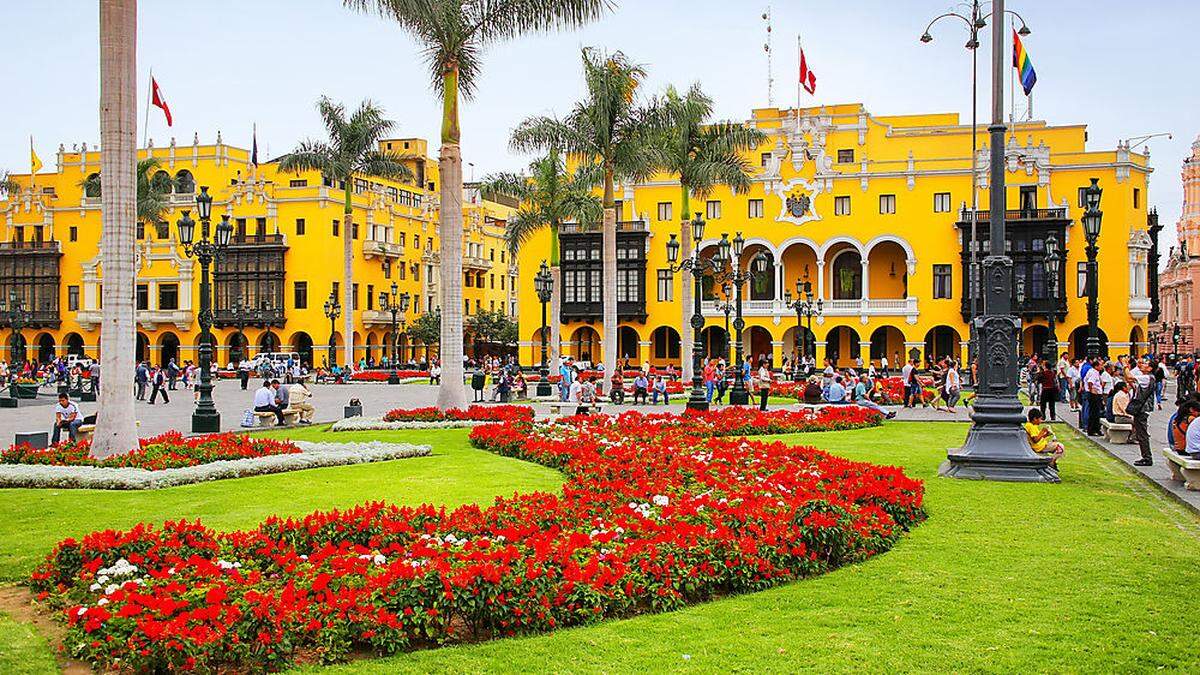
(157, 99)
(808, 79)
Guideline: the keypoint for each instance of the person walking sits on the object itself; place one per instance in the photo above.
(764, 384)
(158, 379)
(1047, 380)
(1094, 388)
(172, 374)
(141, 377)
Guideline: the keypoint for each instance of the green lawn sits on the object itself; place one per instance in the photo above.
(1094, 574)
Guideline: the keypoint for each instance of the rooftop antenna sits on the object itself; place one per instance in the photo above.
(767, 48)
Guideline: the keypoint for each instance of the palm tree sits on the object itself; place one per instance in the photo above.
(8, 186)
(453, 34)
(352, 149)
(703, 154)
(610, 128)
(152, 200)
(548, 197)
(116, 430)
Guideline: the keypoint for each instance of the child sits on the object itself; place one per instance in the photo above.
(1041, 439)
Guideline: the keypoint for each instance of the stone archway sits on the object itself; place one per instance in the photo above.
(141, 350)
(941, 341)
(843, 346)
(302, 344)
(758, 345)
(585, 343)
(46, 351)
(665, 345)
(74, 344)
(1079, 342)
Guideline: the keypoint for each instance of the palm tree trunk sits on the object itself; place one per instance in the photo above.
(687, 336)
(348, 278)
(609, 253)
(451, 392)
(116, 431)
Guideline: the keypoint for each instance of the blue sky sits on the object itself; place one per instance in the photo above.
(225, 64)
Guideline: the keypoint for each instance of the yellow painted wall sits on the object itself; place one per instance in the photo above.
(314, 254)
(911, 157)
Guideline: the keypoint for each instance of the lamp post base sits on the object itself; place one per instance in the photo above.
(206, 422)
(693, 404)
(739, 396)
(543, 389)
(393, 378)
(997, 447)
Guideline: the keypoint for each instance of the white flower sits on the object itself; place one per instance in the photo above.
(661, 500)
(101, 602)
(82, 611)
(380, 559)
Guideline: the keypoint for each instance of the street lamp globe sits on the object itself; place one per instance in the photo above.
(724, 246)
(187, 228)
(204, 203)
(404, 300)
(739, 245)
(224, 232)
(759, 264)
(697, 228)
(673, 250)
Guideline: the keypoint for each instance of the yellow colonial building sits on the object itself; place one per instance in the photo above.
(874, 212)
(271, 285)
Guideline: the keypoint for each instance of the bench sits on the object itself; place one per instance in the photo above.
(86, 431)
(556, 407)
(1183, 468)
(1117, 432)
(267, 419)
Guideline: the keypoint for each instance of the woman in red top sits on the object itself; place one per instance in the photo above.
(1049, 389)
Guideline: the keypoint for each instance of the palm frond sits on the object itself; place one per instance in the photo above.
(503, 19)
(385, 165)
(152, 199)
(521, 227)
(512, 185)
(309, 155)
(8, 186)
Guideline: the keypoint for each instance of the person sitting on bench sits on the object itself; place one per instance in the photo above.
(1041, 439)
(66, 416)
(1191, 446)
(640, 386)
(264, 401)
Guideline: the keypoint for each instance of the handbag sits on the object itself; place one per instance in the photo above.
(248, 419)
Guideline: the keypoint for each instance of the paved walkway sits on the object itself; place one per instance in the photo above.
(1159, 474)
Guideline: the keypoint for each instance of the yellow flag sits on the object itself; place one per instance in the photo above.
(35, 164)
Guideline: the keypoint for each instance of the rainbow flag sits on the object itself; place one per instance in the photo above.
(1023, 64)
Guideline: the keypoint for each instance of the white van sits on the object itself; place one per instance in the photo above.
(276, 357)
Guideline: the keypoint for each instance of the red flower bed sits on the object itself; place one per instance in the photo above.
(383, 375)
(655, 513)
(478, 413)
(170, 450)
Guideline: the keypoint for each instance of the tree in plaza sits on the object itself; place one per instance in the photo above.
(152, 194)
(8, 186)
(611, 128)
(549, 195)
(703, 154)
(490, 326)
(352, 149)
(453, 34)
(116, 430)
(427, 328)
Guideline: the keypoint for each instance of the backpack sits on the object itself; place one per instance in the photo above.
(587, 394)
(1137, 405)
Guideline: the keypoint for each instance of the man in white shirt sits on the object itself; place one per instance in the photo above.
(1061, 372)
(1093, 386)
(883, 365)
(264, 401)
(66, 416)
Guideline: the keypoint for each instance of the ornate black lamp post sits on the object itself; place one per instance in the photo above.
(698, 266)
(332, 311)
(1091, 232)
(17, 316)
(726, 307)
(976, 21)
(205, 418)
(543, 283)
(805, 307)
(1174, 341)
(997, 447)
(1051, 263)
(397, 304)
(738, 394)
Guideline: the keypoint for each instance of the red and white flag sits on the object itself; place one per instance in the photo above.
(808, 79)
(157, 99)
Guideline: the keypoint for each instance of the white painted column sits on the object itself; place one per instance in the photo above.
(866, 279)
(821, 280)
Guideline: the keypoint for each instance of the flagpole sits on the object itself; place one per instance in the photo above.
(799, 85)
(32, 173)
(146, 125)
